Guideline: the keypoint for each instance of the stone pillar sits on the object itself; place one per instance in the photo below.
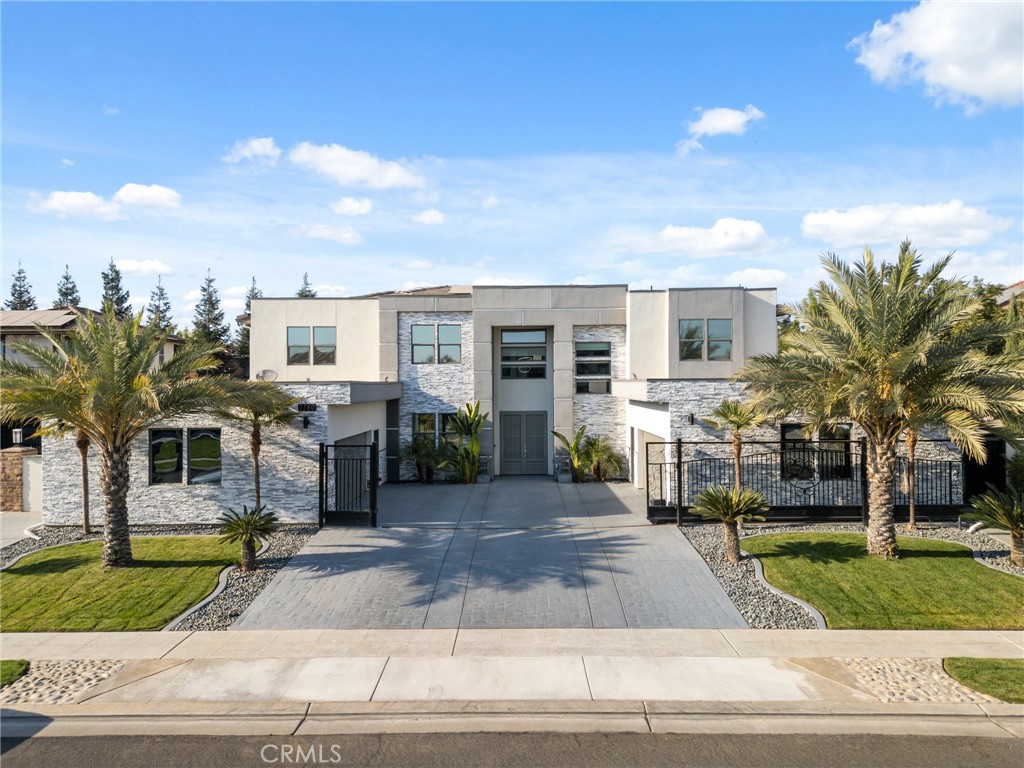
(12, 477)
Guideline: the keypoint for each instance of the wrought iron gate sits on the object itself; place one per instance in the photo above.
(349, 475)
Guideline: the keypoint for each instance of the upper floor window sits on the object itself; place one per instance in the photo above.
(524, 354)
(298, 345)
(436, 343)
(705, 339)
(593, 367)
(325, 345)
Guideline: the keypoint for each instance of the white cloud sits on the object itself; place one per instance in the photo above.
(755, 277)
(412, 285)
(235, 305)
(353, 206)
(110, 111)
(350, 167)
(259, 150)
(971, 54)
(324, 289)
(430, 217)
(714, 122)
(725, 236)
(151, 196)
(235, 290)
(343, 235)
(67, 162)
(193, 296)
(951, 224)
(489, 202)
(143, 267)
(87, 204)
(418, 264)
(505, 280)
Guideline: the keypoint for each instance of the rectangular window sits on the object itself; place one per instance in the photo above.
(524, 337)
(165, 456)
(422, 344)
(449, 343)
(325, 345)
(448, 435)
(834, 453)
(797, 453)
(423, 425)
(204, 456)
(593, 367)
(298, 345)
(524, 362)
(691, 339)
(719, 339)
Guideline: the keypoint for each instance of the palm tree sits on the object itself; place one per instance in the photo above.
(82, 443)
(101, 380)
(600, 457)
(732, 506)
(261, 405)
(882, 346)
(732, 414)
(251, 526)
(468, 424)
(1006, 512)
(575, 451)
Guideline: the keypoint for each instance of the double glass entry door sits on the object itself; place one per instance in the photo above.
(524, 443)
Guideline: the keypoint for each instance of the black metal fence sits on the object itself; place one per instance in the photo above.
(824, 479)
(349, 475)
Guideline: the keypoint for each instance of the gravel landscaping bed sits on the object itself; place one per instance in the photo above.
(764, 609)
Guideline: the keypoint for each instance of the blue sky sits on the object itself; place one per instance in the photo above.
(386, 146)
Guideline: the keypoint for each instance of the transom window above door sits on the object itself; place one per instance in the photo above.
(524, 354)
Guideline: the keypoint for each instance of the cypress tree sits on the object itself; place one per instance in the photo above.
(208, 321)
(21, 292)
(114, 292)
(306, 291)
(67, 291)
(158, 311)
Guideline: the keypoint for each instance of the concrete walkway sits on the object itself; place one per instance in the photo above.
(515, 553)
(13, 525)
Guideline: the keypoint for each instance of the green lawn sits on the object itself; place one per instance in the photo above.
(67, 589)
(1002, 678)
(11, 670)
(934, 585)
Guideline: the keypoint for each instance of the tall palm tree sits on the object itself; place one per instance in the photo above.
(739, 417)
(259, 406)
(101, 380)
(877, 342)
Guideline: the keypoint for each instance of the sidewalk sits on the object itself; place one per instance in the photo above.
(365, 681)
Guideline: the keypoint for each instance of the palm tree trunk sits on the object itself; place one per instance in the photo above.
(737, 450)
(114, 482)
(82, 441)
(911, 479)
(881, 519)
(255, 442)
(248, 556)
(1016, 548)
(732, 541)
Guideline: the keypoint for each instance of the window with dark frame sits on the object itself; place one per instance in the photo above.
(797, 453)
(719, 339)
(691, 339)
(298, 345)
(435, 427)
(717, 333)
(436, 344)
(834, 452)
(204, 456)
(325, 345)
(449, 343)
(165, 456)
(423, 344)
(593, 367)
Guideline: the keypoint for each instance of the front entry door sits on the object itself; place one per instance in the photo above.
(524, 443)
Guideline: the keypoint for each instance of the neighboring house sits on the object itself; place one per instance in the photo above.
(634, 366)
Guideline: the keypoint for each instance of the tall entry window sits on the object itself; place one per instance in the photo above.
(593, 367)
(524, 354)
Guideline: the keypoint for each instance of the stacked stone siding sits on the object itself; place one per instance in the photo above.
(12, 477)
(604, 414)
(432, 387)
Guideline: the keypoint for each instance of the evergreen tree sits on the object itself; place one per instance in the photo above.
(158, 311)
(306, 291)
(67, 291)
(208, 321)
(114, 293)
(21, 292)
(242, 343)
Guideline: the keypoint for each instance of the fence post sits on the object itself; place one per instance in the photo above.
(321, 489)
(679, 481)
(864, 481)
(374, 480)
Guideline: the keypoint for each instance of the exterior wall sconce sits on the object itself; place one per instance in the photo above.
(305, 422)
(692, 420)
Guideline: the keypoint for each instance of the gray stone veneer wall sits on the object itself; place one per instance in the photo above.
(434, 387)
(288, 472)
(604, 414)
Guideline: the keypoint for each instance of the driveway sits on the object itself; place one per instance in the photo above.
(515, 553)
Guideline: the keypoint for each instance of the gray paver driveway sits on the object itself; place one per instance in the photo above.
(515, 553)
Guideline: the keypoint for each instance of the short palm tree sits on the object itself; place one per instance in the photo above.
(882, 345)
(252, 526)
(732, 506)
(1005, 511)
(101, 381)
(257, 407)
(600, 457)
(739, 417)
(574, 448)
(468, 424)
